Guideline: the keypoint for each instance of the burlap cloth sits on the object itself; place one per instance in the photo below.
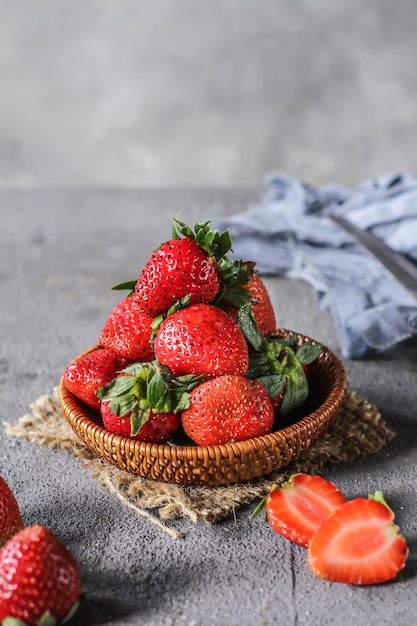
(356, 432)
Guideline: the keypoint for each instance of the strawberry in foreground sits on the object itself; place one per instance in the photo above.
(39, 578)
(227, 409)
(193, 263)
(359, 544)
(10, 518)
(84, 376)
(144, 402)
(201, 339)
(128, 331)
(298, 508)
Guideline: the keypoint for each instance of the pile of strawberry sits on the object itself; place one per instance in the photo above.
(348, 541)
(192, 349)
(39, 577)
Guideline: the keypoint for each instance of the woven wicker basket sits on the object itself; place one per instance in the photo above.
(225, 464)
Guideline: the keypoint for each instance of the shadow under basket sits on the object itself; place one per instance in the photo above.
(223, 464)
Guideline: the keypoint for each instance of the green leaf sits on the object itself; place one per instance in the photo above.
(128, 285)
(308, 352)
(156, 391)
(259, 365)
(273, 384)
(224, 244)
(123, 405)
(47, 619)
(260, 508)
(249, 326)
(180, 400)
(182, 303)
(296, 392)
(117, 387)
(138, 418)
(12, 621)
(71, 612)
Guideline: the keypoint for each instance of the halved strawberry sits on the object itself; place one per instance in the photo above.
(298, 508)
(359, 544)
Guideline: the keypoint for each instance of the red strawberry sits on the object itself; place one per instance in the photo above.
(84, 376)
(10, 518)
(158, 428)
(128, 330)
(298, 508)
(194, 264)
(260, 304)
(143, 402)
(38, 575)
(176, 269)
(359, 544)
(226, 409)
(201, 339)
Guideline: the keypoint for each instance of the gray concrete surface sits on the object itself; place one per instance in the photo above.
(60, 252)
(185, 92)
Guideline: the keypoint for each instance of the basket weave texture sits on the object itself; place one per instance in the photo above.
(223, 464)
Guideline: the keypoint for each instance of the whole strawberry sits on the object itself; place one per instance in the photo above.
(195, 264)
(177, 268)
(84, 376)
(144, 401)
(260, 303)
(227, 409)
(201, 339)
(158, 427)
(128, 330)
(10, 518)
(38, 576)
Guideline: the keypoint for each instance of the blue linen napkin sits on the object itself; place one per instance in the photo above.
(289, 233)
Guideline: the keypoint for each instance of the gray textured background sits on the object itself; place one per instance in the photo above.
(181, 92)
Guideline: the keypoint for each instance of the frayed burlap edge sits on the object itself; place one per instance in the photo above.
(356, 432)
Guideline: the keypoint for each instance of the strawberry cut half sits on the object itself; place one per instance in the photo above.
(359, 544)
(297, 509)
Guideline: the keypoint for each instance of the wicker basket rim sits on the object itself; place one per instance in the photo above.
(179, 452)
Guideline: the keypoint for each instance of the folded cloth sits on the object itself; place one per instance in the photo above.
(290, 233)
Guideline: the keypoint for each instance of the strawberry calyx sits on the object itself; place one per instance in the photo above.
(143, 387)
(278, 363)
(234, 274)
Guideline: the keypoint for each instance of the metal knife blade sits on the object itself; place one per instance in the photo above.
(403, 270)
